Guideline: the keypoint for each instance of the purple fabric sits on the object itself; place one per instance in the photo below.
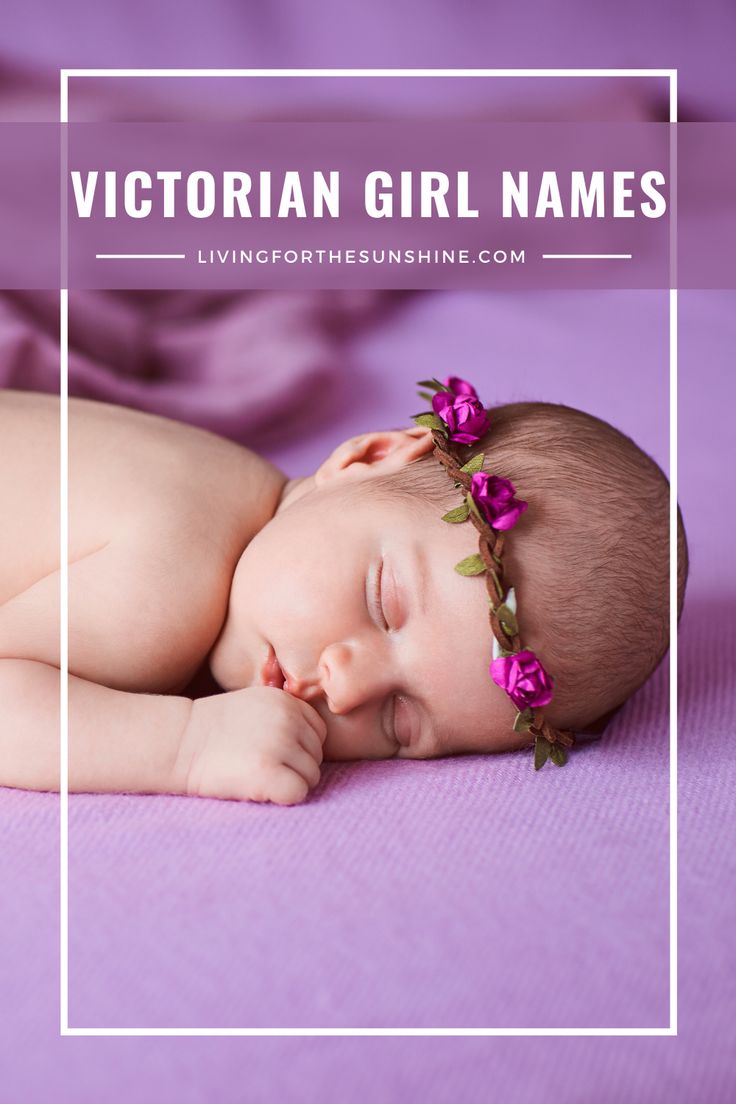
(435, 893)
(695, 38)
(232, 363)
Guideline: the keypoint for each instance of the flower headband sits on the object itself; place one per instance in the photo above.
(457, 420)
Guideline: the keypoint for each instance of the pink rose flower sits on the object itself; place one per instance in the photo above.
(494, 497)
(524, 679)
(460, 386)
(462, 411)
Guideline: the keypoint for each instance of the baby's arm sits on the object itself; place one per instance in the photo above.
(118, 741)
(258, 744)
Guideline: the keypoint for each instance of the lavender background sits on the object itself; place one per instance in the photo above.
(416, 895)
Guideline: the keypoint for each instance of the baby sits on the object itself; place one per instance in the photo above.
(326, 608)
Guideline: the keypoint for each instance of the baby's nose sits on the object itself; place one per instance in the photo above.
(349, 676)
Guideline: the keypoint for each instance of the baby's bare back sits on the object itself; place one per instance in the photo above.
(158, 515)
(29, 490)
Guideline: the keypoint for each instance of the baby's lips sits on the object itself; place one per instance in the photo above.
(271, 673)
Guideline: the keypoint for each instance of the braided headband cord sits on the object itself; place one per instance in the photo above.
(458, 421)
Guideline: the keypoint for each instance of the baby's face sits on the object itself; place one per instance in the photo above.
(355, 598)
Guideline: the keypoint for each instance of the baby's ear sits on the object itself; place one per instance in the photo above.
(375, 454)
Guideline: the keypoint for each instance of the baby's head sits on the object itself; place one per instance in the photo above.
(351, 586)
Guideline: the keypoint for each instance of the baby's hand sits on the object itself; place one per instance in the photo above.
(257, 744)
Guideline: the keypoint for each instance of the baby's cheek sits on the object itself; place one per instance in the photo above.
(239, 651)
(229, 667)
(483, 725)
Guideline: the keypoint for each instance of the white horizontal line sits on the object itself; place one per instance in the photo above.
(66, 73)
(140, 256)
(370, 1031)
(586, 256)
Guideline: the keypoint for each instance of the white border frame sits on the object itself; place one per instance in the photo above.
(65, 1029)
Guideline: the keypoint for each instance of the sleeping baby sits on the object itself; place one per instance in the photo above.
(486, 580)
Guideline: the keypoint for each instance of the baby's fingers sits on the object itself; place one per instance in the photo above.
(311, 743)
(287, 786)
(303, 762)
(313, 719)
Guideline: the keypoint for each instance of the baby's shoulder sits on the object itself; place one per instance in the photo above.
(182, 486)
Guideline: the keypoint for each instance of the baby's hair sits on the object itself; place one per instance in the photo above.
(590, 557)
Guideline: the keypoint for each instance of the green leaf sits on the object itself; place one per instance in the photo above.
(497, 584)
(523, 719)
(473, 506)
(508, 619)
(542, 751)
(558, 755)
(460, 513)
(474, 464)
(426, 395)
(433, 385)
(430, 420)
(471, 565)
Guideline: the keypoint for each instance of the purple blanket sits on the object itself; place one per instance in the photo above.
(463, 892)
(237, 364)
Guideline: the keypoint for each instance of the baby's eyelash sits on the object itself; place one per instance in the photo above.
(392, 721)
(378, 597)
(387, 722)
